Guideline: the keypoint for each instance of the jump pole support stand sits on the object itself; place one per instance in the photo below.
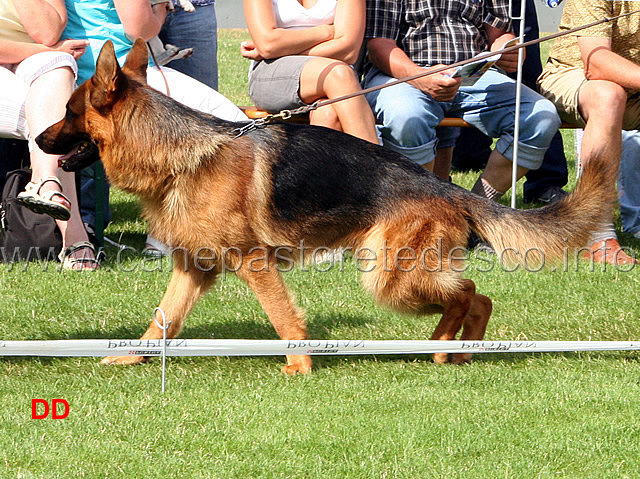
(164, 326)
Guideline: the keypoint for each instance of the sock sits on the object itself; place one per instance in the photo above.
(483, 188)
(603, 234)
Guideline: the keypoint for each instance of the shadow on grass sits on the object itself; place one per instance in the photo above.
(321, 327)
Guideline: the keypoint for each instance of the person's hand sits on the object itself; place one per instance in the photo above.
(330, 31)
(508, 61)
(76, 48)
(440, 86)
(248, 50)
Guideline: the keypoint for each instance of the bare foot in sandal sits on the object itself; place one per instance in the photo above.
(80, 256)
(45, 197)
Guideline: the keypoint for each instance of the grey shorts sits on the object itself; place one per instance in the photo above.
(274, 85)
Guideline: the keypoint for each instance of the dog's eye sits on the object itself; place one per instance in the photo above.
(69, 115)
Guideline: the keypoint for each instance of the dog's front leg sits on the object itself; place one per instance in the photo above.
(260, 272)
(185, 287)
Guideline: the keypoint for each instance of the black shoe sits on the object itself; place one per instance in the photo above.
(550, 196)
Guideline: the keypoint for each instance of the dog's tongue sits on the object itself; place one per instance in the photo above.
(74, 151)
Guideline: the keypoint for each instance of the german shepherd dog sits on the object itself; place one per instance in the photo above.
(289, 187)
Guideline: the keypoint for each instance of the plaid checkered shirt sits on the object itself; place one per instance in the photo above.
(434, 32)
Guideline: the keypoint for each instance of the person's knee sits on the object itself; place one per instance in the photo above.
(409, 128)
(599, 99)
(341, 74)
(541, 124)
(325, 116)
(609, 95)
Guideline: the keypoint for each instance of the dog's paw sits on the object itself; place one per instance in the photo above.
(297, 365)
(460, 358)
(441, 358)
(448, 358)
(124, 360)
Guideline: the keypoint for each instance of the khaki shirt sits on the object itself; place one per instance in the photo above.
(624, 32)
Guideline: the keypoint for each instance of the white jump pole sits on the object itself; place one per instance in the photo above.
(516, 126)
(321, 347)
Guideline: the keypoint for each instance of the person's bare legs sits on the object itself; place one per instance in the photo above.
(602, 104)
(496, 179)
(499, 172)
(45, 105)
(441, 164)
(326, 116)
(328, 78)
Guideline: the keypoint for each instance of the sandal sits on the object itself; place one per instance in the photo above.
(82, 263)
(155, 248)
(43, 203)
(608, 251)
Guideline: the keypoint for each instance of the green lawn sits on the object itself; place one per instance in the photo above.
(546, 415)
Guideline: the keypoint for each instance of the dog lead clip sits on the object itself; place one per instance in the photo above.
(253, 125)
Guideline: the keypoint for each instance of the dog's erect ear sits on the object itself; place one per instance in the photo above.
(105, 80)
(137, 60)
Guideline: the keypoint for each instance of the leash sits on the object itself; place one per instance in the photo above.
(166, 83)
(286, 114)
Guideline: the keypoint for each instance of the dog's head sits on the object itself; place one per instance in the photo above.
(78, 137)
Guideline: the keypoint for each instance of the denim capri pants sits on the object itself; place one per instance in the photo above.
(274, 85)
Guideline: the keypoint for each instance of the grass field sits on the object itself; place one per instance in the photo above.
(547, 415)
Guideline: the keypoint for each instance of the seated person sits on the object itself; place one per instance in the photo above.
(121, 22)
(593, 77)
(472, 149)
(37, 75)
(403, 38)
(303, 51)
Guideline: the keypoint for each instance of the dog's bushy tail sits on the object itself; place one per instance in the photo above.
(558, 231)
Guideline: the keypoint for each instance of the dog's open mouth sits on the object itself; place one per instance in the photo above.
(78, 151)
(81, 155)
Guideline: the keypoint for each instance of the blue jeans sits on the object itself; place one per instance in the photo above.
(87, 196)
(409, 118)
(629, 182)
(197, 30)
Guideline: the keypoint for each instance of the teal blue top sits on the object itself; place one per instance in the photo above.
(96, 21)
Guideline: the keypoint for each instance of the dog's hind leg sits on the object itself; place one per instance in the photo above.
(263, 277)
(468, 311)
(428, 281)
(184, 289)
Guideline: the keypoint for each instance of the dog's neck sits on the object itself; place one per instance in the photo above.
(162, 141)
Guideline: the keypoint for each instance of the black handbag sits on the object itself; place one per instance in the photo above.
(25, 235)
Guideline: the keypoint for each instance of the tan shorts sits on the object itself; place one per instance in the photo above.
(562, 86)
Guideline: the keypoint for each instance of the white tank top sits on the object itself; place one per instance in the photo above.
(291, 14)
